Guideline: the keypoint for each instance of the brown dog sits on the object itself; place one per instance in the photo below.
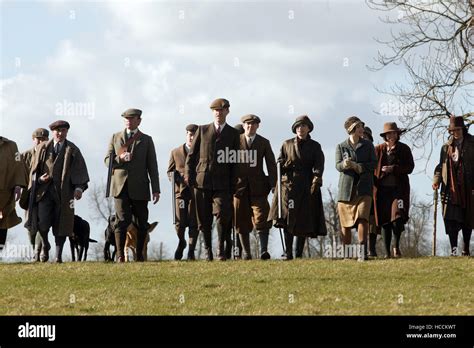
(131, 241)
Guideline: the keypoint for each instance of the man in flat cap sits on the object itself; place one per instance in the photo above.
(184, 197)
(12, 178)
(212, 174)
(61, 177)
(39, 136)
(251, 206)
(134, 168)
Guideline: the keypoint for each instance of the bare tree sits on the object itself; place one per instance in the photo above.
(101, 206)
(418, 230)
(433, 41)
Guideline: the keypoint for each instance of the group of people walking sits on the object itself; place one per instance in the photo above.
(219, 181)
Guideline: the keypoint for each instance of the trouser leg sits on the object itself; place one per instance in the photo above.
(140, 212)
(300, 242)
(288, 245)
(123, 211)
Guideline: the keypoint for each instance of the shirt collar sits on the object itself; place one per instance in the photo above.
(219, 126)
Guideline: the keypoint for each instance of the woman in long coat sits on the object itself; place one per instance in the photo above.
(392, 186)
(455, 174)
(12, 178)
(355, 160)
(302, 166)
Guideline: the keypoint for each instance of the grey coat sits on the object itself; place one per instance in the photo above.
(364, 155)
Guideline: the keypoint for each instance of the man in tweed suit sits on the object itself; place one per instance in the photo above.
(184, 196)
(213, 176)
(135, 167)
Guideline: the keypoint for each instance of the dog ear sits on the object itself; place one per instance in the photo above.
(152, 226)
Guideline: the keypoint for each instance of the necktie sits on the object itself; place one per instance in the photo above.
(249, 142)
(56, 150)
(218, 132)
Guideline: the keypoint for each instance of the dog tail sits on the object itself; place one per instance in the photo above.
(92, 240)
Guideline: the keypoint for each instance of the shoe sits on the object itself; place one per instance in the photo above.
(397, 253)
(209, 256)
(221, 258)
(265, 256)
(120, 259)
(287, 257)
(178, 255)
(466, 253)
(58, 260)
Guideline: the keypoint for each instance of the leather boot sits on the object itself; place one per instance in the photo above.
(45, 246)
(263, 237)
(288, 246)
(120, 246)
(192, 245)
(208, 245)
(372, 243)
(300, 242)
(245, 241)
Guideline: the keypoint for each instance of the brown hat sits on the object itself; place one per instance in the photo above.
(250, 118)
(391, 127)
(456, 122)
(59, 124)
(368, 133)
(132, 113)
(351, 123)
(239, 128)
(219, 104)
(40, 133)
(192, 128)
(304, 119)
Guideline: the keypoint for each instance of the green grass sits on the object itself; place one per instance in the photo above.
(424, 286)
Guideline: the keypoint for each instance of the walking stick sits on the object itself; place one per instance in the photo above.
(435, 198)
(279, 203)
(173, 195)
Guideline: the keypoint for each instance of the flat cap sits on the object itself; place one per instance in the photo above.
(219, 104)
(59, 124)
(304, 119)
(40, 133)
(192, 128)
(250, 118)
(239, 128)
(132, 113)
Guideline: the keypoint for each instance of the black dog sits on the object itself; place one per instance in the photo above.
(110, 239)
(79, 241)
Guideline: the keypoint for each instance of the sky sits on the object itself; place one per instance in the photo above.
(86, 62)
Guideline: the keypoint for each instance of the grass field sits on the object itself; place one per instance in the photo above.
(425, 286)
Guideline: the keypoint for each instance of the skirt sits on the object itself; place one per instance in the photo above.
(356, 208)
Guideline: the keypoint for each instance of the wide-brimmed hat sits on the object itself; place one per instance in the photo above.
(304, 119)
(391, 127)
(456, 122)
